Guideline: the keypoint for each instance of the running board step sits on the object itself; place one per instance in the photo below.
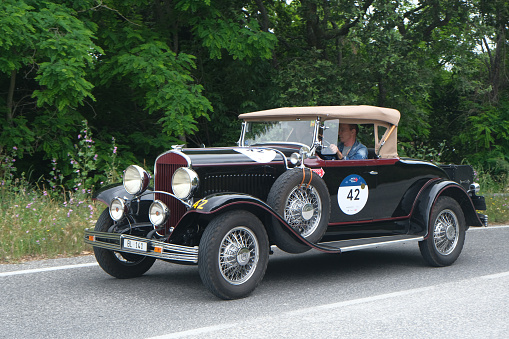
(359, 244)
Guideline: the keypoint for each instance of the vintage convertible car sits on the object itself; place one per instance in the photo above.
(223, 208)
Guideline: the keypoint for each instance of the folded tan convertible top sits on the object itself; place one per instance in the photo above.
(346, 114)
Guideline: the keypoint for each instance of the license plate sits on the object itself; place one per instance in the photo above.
(135, 245)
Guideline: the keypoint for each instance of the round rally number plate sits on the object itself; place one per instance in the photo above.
(353, 194)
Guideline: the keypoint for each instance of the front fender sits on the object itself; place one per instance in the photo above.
(420, 218)
(209, 207)
(108, 193)
(138, 206)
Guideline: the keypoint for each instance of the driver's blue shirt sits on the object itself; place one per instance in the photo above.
(357, 152)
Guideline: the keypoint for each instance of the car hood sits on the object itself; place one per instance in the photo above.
(233, 155)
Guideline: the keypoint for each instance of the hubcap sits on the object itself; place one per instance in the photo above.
(446, 231)
(307, 211)
(303, 209)
(238, 255)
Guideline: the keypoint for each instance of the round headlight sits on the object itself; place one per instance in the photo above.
(117, 209)
(136, 180)
(184, 182)
(158, 213)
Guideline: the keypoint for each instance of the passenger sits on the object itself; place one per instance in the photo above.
(349, 148)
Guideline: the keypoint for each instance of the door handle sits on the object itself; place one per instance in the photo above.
(373, 172)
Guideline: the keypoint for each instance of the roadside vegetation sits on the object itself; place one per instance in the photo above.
(46, 218)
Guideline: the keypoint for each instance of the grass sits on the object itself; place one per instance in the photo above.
(497, 208)
(34, 224)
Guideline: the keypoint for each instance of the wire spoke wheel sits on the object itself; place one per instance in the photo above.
(233, 254)
(445, 233)
(238, 255)
(446, 236)
(303, 209)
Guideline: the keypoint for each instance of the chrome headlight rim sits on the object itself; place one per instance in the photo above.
(158, 213)
(135, 179)
(117, 209)
(184, 182)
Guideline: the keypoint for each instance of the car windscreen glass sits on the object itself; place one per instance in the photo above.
(280, 131)
(330, 136)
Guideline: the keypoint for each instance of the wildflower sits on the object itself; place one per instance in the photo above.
(115, 150)
(95, 157)
(45, 193)
(40, 220)
(15, 148)
(79, 136)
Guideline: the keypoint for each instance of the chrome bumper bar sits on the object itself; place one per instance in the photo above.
(156, 249)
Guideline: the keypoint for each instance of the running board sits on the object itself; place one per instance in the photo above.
(359, 244)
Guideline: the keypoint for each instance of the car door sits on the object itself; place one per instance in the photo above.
(352, 187)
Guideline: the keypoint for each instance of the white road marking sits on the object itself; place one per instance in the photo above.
(315, 309)
(45, 269)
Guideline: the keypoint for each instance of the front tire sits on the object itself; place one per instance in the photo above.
(447, 233)
(233, 255)
(118, 264)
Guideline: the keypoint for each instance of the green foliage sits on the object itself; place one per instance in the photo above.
(165, 80)
(149, 74)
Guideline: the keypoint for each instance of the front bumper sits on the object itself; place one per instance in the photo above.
(156, 249)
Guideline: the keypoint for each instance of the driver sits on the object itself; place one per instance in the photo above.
(349, 147)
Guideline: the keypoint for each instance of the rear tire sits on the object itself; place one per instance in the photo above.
(447, 233)
(118, 264)
(233, 254)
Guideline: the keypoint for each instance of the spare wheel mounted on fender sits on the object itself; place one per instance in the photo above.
(301, 197)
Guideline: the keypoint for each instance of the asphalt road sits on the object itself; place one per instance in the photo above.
(387, 292)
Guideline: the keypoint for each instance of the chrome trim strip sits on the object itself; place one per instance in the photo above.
(371, 245)
(170, 251)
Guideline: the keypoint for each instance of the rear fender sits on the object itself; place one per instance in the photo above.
(420, 218)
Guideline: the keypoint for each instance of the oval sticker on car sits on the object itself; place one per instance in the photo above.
(353, 194)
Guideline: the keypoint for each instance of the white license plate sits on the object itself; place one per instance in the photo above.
(135, 245)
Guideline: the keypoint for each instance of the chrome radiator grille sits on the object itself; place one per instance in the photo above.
(166, 165)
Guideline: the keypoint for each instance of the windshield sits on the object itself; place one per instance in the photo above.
(280, 131)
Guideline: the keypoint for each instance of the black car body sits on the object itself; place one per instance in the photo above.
(222, 208)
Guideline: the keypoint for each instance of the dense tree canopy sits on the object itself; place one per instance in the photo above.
(148, 74)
